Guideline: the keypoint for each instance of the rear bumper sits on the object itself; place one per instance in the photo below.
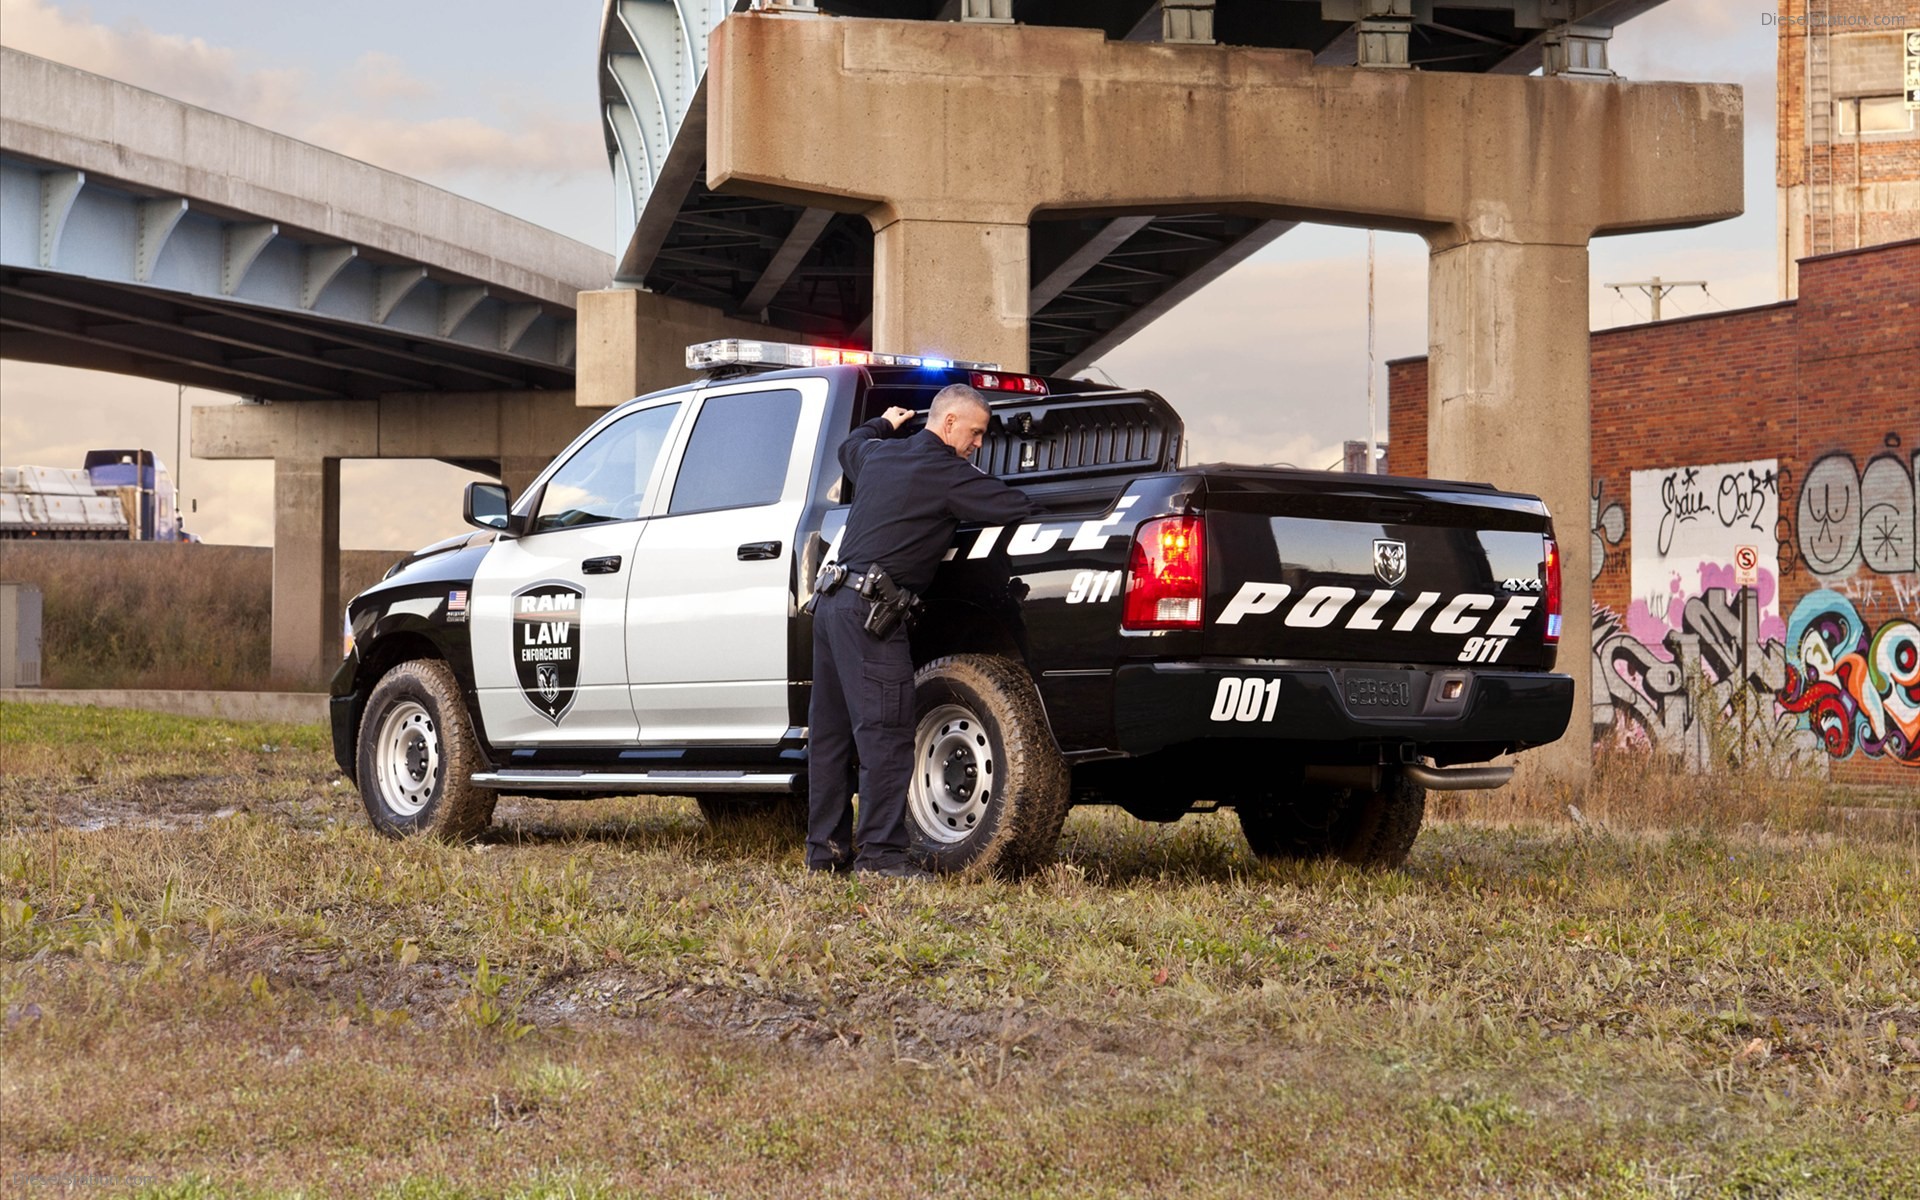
(1164, 704)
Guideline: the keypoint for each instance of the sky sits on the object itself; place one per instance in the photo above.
(495, 100)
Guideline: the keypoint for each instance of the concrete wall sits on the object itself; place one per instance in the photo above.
(1792, 431)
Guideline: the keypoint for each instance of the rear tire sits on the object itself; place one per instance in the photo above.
(417, 754)
(1371, 829)
(989, 789)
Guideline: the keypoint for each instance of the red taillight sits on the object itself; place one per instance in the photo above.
(994, 381)
(1167, 575)
(1553, 592)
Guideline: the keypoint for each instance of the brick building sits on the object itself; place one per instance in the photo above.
(1781, 445)
(1848, 164)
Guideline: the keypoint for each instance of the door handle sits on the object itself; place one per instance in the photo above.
(609, 565)
(750, 551)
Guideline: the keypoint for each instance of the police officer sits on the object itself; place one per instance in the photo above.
(910, 493)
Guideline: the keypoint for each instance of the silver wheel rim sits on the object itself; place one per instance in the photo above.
(407, 759)
(955, 776)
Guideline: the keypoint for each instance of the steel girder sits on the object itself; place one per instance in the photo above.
(98, 275)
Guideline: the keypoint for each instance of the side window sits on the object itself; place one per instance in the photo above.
(737, 456)
(606, 479)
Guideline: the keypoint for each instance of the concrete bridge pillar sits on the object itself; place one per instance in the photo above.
(517, 472)
(633, 342)
(1507, 400)
(306, 569)
(954, 288)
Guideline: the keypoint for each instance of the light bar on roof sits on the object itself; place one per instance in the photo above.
(747, 352)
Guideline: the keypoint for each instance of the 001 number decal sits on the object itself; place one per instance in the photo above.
(1484, 650)
(1245, 699)
(1092, 587)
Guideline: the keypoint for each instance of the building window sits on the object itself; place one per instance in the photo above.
(1874, 114)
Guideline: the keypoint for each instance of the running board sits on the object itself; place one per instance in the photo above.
(639, 783)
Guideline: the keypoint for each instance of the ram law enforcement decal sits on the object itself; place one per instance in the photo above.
(1389, 561)
(546, 646)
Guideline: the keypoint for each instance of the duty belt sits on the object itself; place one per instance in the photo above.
(887, 604)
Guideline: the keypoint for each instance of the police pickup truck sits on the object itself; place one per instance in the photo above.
(1313, 650)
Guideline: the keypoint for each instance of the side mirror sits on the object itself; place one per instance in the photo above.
(486, 505)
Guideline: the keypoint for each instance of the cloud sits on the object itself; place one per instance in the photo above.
(1268, 363)
(384, 78)
(462, 145)
(380, 127)
(1708, 41)
(187, 69)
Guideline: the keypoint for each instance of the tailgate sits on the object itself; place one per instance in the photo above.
(1399, 572)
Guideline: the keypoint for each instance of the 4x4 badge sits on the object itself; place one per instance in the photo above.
(1389, 561)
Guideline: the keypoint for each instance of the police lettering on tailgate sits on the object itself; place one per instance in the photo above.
(1334, 607)
(546, 645)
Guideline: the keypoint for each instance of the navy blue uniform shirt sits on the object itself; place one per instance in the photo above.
(910, 493)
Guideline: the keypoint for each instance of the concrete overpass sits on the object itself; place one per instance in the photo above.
(1094, 279)
(365, 314)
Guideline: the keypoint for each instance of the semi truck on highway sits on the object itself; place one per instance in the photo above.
(1313, 650)
(115, 495)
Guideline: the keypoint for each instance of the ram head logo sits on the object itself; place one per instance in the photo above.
(549, 677)
(1390, 561)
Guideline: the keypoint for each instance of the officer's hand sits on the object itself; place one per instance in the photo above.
(898, 416)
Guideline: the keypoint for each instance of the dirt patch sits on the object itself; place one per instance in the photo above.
(176, 801)
(899, 1027)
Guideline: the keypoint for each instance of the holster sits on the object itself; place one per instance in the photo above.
(887, 604)
(826, 583)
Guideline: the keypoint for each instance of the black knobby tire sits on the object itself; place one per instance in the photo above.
(1374, 829)
(417, 754)
(989, 789)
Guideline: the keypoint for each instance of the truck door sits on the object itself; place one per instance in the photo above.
(709, 609)
(548, 627)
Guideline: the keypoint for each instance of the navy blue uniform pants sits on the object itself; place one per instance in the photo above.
(862, 705)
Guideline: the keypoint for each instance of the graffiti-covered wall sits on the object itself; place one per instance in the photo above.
(1755, 525)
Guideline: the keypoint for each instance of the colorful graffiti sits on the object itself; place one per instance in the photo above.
(1704, 691)
(1690, 525)
(1851, 520)
(1609, 525)
(1857, 689)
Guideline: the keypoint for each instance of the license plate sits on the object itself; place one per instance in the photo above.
(1379, 689)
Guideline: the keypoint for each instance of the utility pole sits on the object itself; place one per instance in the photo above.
(1373, 428)
(1656, 288)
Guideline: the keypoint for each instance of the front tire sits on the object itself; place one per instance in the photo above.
(417, 754)
(1370, 829)
(989, 789)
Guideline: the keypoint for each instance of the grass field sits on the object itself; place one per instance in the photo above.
(162, 615)
(217, 982)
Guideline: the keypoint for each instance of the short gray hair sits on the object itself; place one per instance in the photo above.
(953, 396)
